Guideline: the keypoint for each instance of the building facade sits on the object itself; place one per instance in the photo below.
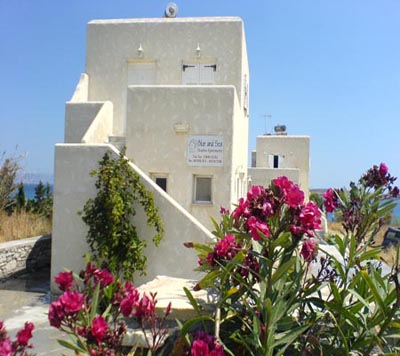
(281, 155)
(174, 91)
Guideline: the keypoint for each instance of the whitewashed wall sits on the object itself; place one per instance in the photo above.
(74, 186)
(111, 44)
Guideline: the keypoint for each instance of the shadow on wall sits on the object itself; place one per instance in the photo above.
(40, 255)
(25, 256)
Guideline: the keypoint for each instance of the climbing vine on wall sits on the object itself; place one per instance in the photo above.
(112, 236)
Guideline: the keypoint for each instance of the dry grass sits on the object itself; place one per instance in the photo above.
(21, 225)
(388, 255)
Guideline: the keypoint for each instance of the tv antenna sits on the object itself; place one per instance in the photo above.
(266, 118)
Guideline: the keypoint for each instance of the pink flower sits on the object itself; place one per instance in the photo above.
(131, 298)
(205, 345)
(129, 301)
(211, 256)
(104, 276)
(223, 211)
(330, 200)
(309, 250)
(64, 280)
(99, 328)
(72, 302)
(6, 347)
(383, 169)
(294, 196)
(168, 309)
(199, 348)
(242, 209)
(310, 217)
(129, 287)
(283, 183)
(291, 193)
(145, 307)
(255, 192)
(24, 335)
(56, 314)
(267, 209)
(218, 351)
(255, 226)
(127, 306)
(226, 247)
(306, 220)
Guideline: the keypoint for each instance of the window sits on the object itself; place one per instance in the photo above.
(141, 73)
(162, 183)
(160, 179)
(202, 190)
(198, 73)
(276, 161)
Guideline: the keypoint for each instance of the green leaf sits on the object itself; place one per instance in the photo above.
(198, 319)
(192, 301)
(284, 240)
(70, 346)
(375, 292)
(94, 304)
(288, 337)
(209, 279)
(344, 312)
(282, 270)
(370, 254)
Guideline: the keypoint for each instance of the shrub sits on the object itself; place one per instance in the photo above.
(18, 347)
(94, 308)
(9, 168)
(112, 237)
(273, 298)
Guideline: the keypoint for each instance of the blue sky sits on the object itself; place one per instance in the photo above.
(327, 69)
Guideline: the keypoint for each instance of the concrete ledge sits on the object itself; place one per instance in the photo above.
(22, 255)
(170, 289)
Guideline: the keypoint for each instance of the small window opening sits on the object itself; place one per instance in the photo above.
(202, 190)
(276, 161)
(162, 183)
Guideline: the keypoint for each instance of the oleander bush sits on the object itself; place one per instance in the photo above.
(94, 310)
(280, 292)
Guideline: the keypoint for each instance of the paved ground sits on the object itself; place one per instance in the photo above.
(27, 298)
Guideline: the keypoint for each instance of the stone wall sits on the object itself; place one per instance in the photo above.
(27, 254)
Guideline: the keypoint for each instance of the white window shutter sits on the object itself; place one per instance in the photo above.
(141, 73)
(207, 73)
(190, 74)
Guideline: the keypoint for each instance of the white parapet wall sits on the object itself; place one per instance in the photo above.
(73, 186)
(88, 122)
(81, 92)
(264, 176)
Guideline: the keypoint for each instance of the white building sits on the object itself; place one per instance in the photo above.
(175, 92)
(281, 155)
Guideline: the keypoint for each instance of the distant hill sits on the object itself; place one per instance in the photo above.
(35, 178)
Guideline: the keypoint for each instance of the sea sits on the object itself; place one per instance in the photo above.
(395, 214)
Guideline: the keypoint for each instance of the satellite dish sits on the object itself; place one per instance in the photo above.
(171, 10)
